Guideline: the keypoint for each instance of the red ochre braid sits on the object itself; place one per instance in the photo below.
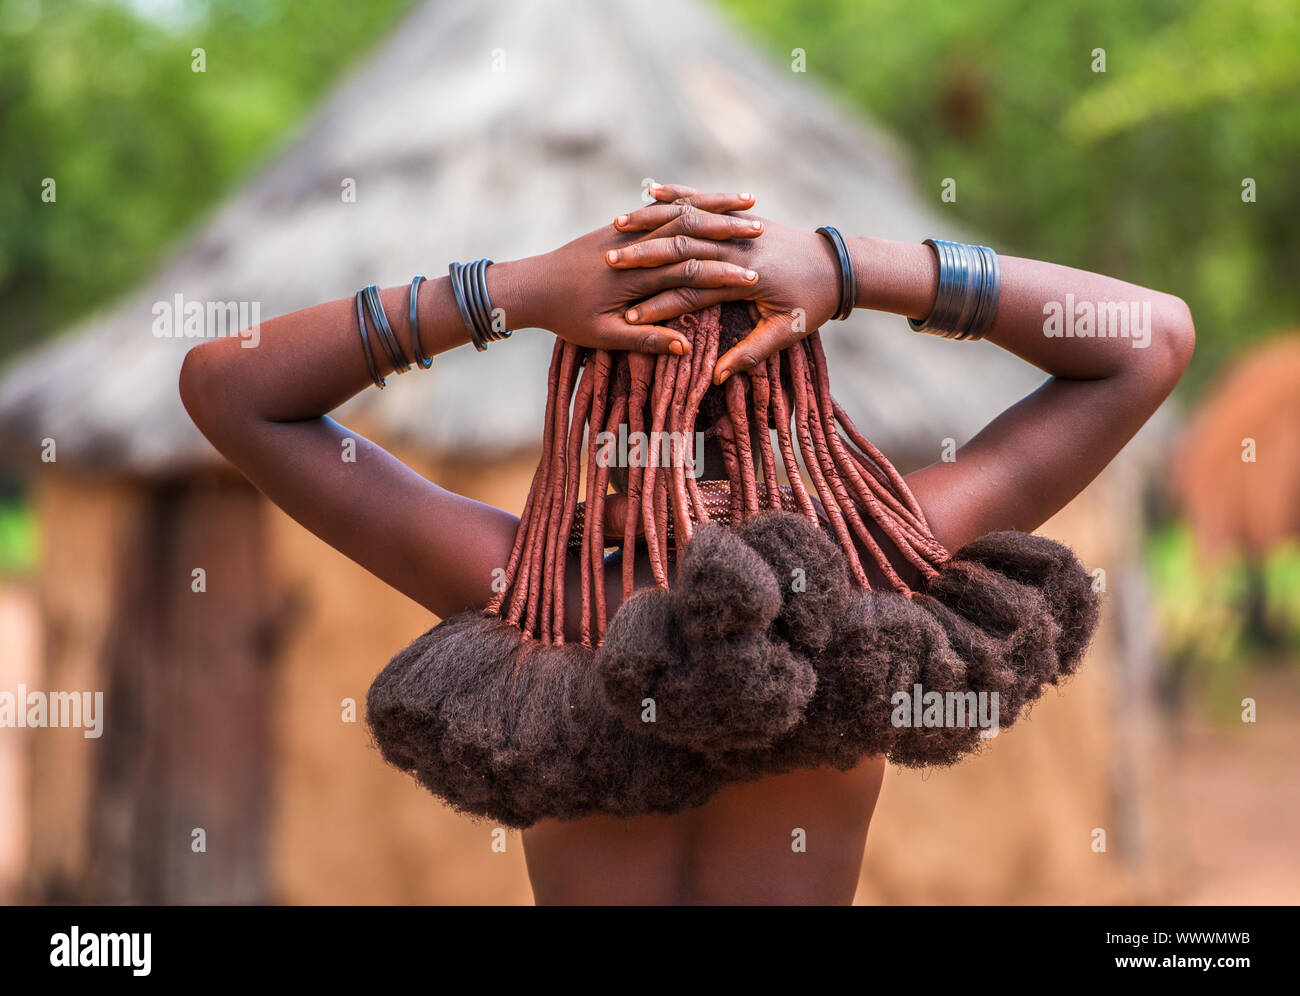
(591, 394)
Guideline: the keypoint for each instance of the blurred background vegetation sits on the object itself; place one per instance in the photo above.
(1092, 169)
(99, 95)
(1137, 171)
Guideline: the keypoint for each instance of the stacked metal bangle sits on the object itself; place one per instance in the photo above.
(413, 320)
(848, 281)
(375, 376)
(967, 299)
(469, 285)
(368, 302)
(387, 338)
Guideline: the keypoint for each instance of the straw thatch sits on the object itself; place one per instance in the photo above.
(453, 159)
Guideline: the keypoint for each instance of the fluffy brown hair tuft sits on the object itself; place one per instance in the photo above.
(769, 650)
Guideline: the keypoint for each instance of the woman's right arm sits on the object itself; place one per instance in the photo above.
(266, 408)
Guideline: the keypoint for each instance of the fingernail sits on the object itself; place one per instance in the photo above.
(612, 255)
(656, 186)
(751, 275)
(722, 376)
(621, 220)
(676, 348)
(743, 197)
(757, 225)
(633, 314)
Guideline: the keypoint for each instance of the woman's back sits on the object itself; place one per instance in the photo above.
(792, 838)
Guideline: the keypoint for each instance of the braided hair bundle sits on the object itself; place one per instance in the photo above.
(762, 645)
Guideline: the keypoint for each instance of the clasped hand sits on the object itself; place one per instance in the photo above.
(612, 288)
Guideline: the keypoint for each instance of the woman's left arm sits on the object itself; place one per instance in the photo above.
(1031, 460)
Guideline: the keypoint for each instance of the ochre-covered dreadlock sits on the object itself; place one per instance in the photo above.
(761, 647)
(851, 477)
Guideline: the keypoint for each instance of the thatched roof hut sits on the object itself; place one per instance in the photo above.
(453, 159)
(480, 127)
(1237, 467)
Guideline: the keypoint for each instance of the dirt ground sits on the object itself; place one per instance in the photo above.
(1236, 788)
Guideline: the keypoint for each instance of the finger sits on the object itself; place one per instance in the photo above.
(670, 191)
(697, 273)
(654, 339)
(772, 334)
(680, 301)
(648, 218)
(719, 203)
(723, 201)
(707, 225)
(673, 249)
(662, 251)
(687, 219)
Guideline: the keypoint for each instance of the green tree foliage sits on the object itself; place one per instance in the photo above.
(1136, 171)
(100, 96)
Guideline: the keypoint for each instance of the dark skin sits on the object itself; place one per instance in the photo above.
(266, 410)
